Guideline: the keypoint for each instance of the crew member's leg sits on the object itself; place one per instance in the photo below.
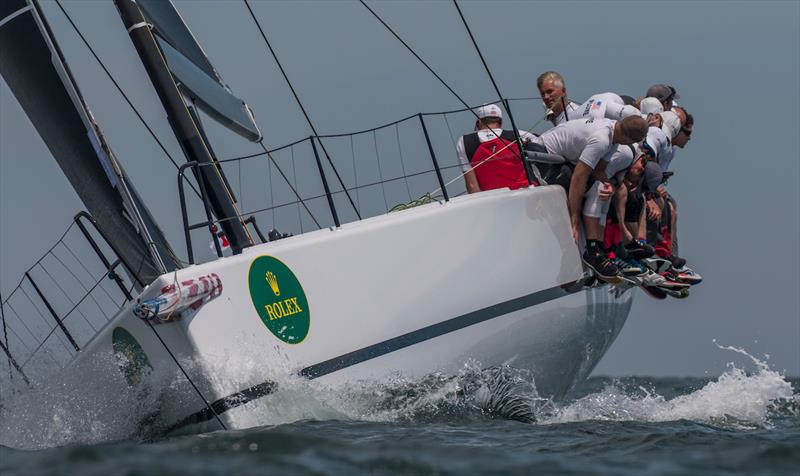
(594, 219)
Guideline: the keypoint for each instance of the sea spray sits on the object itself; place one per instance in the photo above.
(62, 411)
(736, 399)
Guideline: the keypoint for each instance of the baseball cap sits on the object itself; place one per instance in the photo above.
(651, 105)
(489, 110)
(670, 124)
(652, 176)
(662, 92)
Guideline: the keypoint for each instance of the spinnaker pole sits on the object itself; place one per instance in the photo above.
(185, 129)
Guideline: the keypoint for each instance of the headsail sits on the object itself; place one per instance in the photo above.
(195, 75)
(34, 69)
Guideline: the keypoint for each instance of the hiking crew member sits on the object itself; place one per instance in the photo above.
(490, 157)
(584, 143)
(616, 163)
(665, 94)
(553, 92)
(606, 105)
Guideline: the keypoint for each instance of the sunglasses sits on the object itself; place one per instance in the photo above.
(686, 131)
(648, 151)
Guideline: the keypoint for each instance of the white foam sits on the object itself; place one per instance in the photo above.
(736, 397)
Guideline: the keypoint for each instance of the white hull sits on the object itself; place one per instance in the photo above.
(476, 279)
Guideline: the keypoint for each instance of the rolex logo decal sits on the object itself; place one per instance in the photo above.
(273, 283)
(279, 299)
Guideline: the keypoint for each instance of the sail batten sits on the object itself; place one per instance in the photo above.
(35, 70)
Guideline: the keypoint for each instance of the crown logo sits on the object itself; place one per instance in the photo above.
(273, 283)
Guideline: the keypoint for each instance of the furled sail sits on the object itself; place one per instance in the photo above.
(35, 70)
(195, 75)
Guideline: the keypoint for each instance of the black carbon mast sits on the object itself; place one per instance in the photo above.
(185, 128)
(35, 70)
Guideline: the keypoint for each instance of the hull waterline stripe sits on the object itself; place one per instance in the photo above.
(429, 332)
(382, 348)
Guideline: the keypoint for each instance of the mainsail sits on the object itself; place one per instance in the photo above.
(34, 69)
(195, 75)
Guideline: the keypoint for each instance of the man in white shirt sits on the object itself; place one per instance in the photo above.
(606, 105)
(665, 94)
(553, 92)
(490, 157)
(584, 143)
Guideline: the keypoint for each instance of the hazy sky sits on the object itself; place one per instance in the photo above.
(735, 64)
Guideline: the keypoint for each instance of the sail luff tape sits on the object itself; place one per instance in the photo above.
(139, 25)
(15, 15)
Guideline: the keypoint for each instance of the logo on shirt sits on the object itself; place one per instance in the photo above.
(279, 299)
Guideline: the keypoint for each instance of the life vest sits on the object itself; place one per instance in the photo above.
(503, 169)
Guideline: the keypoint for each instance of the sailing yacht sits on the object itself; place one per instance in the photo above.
(493, 277)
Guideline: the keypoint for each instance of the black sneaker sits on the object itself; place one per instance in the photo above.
(603, 268)
(639, 250)
(677, 262)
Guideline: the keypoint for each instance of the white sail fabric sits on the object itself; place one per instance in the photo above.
(195, 75)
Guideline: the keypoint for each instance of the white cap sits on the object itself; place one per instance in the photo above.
(489, 110)
(670, 124)
(650, 106)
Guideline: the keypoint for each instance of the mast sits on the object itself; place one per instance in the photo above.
(185, 129)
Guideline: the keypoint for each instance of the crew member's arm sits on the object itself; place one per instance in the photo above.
(471, 182)
(620, 203)
(577, 189)
(606, 190)
(596, 148)
(654, 206)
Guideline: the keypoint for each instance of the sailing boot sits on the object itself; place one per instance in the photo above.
(687, 275)
(639, 250)
(677, 261)
(630, 267)
(672, 282)
(597, 261)
(658, 265)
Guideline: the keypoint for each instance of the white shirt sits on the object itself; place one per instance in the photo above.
(485, 135)
(666, 157)
(606, 105)
(662, 146)
(572, 113)
(585, 140)
(619, 158)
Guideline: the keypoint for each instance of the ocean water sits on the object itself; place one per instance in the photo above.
(744, 421)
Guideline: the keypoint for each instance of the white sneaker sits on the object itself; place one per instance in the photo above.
(653, 279)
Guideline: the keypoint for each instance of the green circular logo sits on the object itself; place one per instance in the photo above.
(132, 361)
(279, 299)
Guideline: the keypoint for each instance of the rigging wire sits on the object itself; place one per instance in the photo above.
(444, 83)
(294, 176)
(302, 108)
(480, 55)
(7, 349)
(185, 374)
(494, 83)
(121, 91)
(5, 335)
(294, 190)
